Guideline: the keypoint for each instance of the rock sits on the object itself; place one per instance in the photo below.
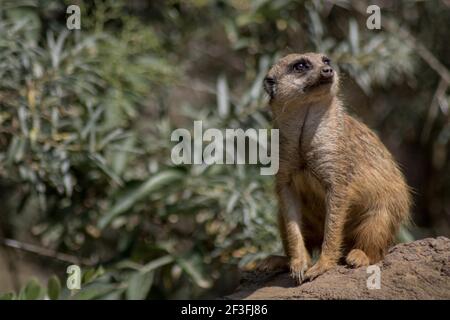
(416, 270)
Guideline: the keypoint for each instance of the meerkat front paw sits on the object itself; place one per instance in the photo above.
(319, 268)
(298, 268)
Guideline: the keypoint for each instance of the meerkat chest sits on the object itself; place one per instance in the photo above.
(306, 142)
(309, 189)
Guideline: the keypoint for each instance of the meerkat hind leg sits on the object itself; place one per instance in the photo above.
(357, 258)
(372, 238)
(273, 263)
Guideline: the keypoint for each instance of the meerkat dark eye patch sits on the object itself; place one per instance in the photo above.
(270, 86)
(300, 65)
(326, 60)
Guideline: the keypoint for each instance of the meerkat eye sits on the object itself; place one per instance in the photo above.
(326, 60)
(300, 66)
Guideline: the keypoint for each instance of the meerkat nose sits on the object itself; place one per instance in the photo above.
(326, 72)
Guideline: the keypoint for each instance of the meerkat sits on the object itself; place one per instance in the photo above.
(338, 187)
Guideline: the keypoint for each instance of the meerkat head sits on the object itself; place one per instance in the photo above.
(301, 78)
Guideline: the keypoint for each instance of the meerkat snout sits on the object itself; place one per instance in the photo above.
(327, 73)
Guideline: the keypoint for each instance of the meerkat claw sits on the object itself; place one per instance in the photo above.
(298, 269)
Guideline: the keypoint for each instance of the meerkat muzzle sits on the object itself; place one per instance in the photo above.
(326, 75)
(327, 72)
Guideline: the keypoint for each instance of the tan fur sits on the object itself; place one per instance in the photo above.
(338, 187)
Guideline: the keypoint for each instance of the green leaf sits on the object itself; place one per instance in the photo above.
(16, 149)
(139, 285)
(32, 291)
(140, 282)
(193, 269)
(100, 162)
(7, 296)
(154, 183)
(28, 18)
(53, 288)
(121, 158)
(354, 36)
(404, 235)
(157, 263)
(92, 274)
(94, 291)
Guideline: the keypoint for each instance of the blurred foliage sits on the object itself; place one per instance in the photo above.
(86, 118)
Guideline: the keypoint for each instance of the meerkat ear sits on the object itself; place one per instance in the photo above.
(270, 86)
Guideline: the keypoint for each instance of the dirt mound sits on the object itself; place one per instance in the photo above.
(416, 270)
